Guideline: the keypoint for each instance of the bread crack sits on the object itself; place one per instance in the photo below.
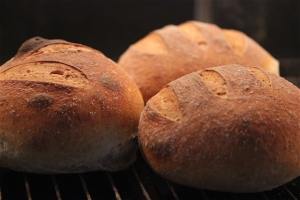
(260, 75)
(236, 39)
(52, 72)
(153, 44)
(59, 48)
(194, 34)
(166, 103)
(215, 82)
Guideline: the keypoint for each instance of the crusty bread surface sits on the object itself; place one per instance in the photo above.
(229, 128)
(66, 108)
(173, 51)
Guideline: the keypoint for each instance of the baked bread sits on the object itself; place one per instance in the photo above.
(227, 128)
(173, 51)
(66, 108)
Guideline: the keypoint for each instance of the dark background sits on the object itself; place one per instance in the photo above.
(112, 25)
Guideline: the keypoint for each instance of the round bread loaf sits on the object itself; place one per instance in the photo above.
(173, 51)
(227, 128)
(66, 108)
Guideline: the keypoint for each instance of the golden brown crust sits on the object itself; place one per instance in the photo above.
(66, 108)
(238, 130)
(173, 51)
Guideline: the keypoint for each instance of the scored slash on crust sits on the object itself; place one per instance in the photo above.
(261, 75)
(166, 103)
(53, 72)
(215, 82)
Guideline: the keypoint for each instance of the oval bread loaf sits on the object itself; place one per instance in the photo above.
(66, 108)
(173, 51)
(227, 128)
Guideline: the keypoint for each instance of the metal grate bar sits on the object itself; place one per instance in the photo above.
(118, 197)
(204, 195)
(57, 192)
(27, 186)
(265, 197)
(289, 192)
(86, 191)
(140, 183)
(172, 190)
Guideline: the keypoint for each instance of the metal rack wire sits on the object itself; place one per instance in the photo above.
(136, 182)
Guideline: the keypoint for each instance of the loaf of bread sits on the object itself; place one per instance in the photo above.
(66, 108)
(173, 51)
(227, 128)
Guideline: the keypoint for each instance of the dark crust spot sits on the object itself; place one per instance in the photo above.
(160, 149)
(110, 82)
(40, 101)
(31, 44)
(34, 44)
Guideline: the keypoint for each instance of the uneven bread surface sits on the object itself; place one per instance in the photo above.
(228, 128)
(174, 51)
(66, 108)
